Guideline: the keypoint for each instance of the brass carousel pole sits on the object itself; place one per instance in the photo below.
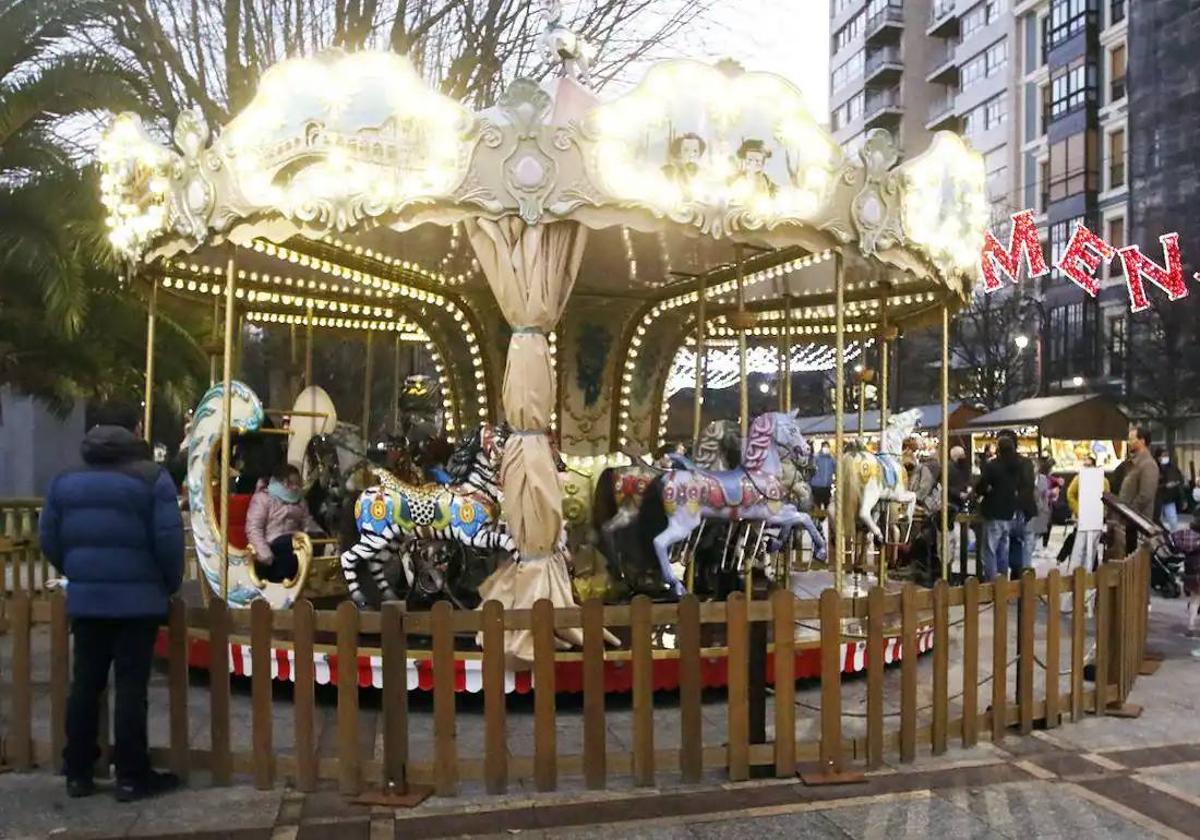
(368, 375)
(744, 383)
(212, 357)
(884, 352)
(148, 399)
(945, 447)
(839, 418)
(241, 343)
(701, 352)
(293, 353)
(308, 346)
(787, 352)
(396, 385)
(227, 417)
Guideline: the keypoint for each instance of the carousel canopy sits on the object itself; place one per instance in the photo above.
(1071, 417)
(347, 177)
(931, 418)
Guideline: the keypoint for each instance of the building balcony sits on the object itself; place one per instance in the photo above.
(1116, 90)
(943, 115)
(943, 67)
(886, 24)
(943, 19)
(883, 65)
(883, 109)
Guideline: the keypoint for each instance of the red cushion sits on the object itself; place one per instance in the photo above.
(239, 504)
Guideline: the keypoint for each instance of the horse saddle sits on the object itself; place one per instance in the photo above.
(733, 488)
(891, 469)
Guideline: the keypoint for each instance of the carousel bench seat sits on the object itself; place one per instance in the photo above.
(239, 506)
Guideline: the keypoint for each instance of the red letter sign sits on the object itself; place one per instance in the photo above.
(1024, 240)
(1080, 264)
(1170, 279)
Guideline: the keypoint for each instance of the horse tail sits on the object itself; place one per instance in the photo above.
(652, 515)
(604, 499)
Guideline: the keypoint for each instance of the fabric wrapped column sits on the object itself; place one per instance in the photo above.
(531, 270)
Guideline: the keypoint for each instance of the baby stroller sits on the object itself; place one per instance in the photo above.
(1168, 551)
(1180, 571)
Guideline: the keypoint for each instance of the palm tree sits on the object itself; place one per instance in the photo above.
(69, 326)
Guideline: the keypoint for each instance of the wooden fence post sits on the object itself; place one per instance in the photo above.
(875, 644)
(783, 609)
(941, 666)
(643, 692)
(691, 758)
(445, 735)
(970, 674)
(395, 697)
(908, 673)
(595, 749)
(999, 657)
(261, 627)
(304, 621)
(218, 687)
(349, 766)
(545, 736)
(495, 711)
(1078, 640)
(21, 617)
(737, 665)
(1025, 639)
(1053, 648)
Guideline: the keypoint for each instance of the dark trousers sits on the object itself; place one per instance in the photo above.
(127, 645)
(822, 496)
(284, 563)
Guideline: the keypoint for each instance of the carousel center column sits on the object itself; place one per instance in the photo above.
(531, 270)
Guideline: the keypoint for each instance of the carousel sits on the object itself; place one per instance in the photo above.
(557, 258)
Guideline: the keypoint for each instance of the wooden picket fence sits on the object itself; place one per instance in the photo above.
(23, 568)
(1114, 642)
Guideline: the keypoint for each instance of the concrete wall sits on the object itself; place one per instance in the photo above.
(35, 444)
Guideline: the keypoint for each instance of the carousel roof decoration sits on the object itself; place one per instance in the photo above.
(723, 369)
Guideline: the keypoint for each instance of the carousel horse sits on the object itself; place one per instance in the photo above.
(619, 490)
(870, 479)
(561, 46)
(203, 448)
(754, 491)
(467, 511)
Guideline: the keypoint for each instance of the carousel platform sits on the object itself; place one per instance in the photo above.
(568, 668)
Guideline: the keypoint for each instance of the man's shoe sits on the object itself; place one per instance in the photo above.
(151, 785)
(79, 788)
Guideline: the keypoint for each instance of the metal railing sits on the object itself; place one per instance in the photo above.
(940, 108)
(1116, 90)
(941, 10)
(941, 57)
(886, 15)
(889, 98)
(880, 57)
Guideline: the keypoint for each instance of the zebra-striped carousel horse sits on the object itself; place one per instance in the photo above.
(466, 512)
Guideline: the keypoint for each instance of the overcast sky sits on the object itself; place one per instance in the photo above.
(788, 37)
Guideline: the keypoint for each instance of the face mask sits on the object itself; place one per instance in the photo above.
(1164, 461)
(283, 492)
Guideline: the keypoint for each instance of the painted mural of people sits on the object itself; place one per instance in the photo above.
(683, 162)
(752, 157)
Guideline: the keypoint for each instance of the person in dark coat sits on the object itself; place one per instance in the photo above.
(998, 489)
(113, 529)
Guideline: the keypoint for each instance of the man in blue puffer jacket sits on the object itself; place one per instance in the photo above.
(112, 527)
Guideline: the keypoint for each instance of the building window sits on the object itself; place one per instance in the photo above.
(848, 33)
(1117, 326)
(849, 70)
(974, 20)
(840, 6)
(1116, 90)
(997, 57)
(1116, 12)
(848, 111)
(995, 8)
(1115, 234)
(1071, 341)
(877, 6)
(995, 111)
(1072, 87)
(1060, 235)
(974, 70)
(1116, 159)
(1067, 17)
(1072, 166)
(1044, 183)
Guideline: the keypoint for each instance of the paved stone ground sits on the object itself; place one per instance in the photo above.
(1100, 778)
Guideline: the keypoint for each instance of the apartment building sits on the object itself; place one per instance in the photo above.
(919, 66)
(1072, 134)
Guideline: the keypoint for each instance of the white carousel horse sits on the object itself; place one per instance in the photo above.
(204, 447)
(466, 511)
(868, 479)
(754, 491)
(561, 46)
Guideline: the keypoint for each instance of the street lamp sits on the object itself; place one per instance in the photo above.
(1022, 341)
(1077, 381)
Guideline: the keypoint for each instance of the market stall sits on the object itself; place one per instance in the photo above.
(1067, 428)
